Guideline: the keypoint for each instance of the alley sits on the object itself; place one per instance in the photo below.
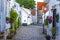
(32, 32)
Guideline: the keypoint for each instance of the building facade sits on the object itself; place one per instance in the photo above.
(2, 15)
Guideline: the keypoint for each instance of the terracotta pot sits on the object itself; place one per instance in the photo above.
(53, 38)
(1, 35)
(47, 37)
(9, 37)
(12, 34)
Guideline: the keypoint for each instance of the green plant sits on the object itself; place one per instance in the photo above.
(27, 3)
(13, 16)
(17, 24)
(9, 37)
(46, 21)
(7, 19)
(12, 30)
(19, 21)
(54, 30)
(2, 32)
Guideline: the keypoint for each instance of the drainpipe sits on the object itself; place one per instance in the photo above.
(54, 20)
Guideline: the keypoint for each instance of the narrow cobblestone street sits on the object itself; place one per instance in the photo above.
(33, 32)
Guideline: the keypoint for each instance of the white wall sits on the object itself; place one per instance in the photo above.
(2, 14)
(53, 3)
(24, 16)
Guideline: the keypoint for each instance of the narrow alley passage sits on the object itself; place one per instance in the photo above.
(32, 32)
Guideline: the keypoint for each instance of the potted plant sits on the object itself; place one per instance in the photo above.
(12, 32)
(47, 37)
(7, 19)
(1, 34)
(54, 29)
(46, 21)
(50, 19)
(9, 37)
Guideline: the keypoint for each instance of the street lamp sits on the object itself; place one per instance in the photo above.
(44, 17)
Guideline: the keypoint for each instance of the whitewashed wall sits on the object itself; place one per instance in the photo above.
(53, 3)
(2, 15)
(24, 16)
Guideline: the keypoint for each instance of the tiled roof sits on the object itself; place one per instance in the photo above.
(41, 6)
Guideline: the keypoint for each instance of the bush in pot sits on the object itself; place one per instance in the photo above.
(46, 21)
(47, 37)
(54, 30)
(9, 37)
(12, 32)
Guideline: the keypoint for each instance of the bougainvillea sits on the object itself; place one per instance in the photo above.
(50, 19)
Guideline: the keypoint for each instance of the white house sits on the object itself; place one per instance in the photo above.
(26, 17)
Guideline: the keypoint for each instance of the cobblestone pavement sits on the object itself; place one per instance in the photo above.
(32, 32)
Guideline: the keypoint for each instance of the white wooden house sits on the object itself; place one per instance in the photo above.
(26, 17)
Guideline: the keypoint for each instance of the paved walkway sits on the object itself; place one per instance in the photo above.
(30, 33)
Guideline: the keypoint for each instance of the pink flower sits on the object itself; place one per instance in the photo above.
(50, 19)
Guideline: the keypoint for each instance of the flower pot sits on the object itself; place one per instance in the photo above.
(53, 38)
(9, 37)
(12, 34)
(1, 35)
(47, 37)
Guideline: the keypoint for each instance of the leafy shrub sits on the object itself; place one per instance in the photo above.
(12, 30)
(7, 19)
(46, 21)
(54, 30)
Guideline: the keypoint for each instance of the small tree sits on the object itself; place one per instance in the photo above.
(27, 3)
(19, 21)
(13, 17)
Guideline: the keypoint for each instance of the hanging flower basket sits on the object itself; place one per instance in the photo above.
(11, 21)
(50, 19)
